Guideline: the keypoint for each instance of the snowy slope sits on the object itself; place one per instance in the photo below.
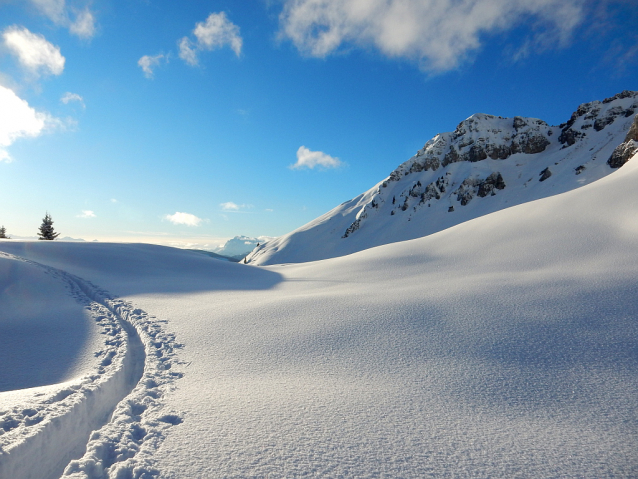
(40, 320)
(501, 347)
(488, 163)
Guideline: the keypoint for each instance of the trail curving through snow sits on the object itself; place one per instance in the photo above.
(106, 424)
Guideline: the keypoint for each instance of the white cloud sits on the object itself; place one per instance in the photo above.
(54, 9)
(19, 120)
(69, 97)
(311, 159)
(86, 214)
(438, 34)
(230, 206)
(84, 24)
(184, 219)
(57, 11)
(148, 62)
(216, 32)
(33, 51)
(187, 51)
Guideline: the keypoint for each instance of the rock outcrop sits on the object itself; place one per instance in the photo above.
(626, 149)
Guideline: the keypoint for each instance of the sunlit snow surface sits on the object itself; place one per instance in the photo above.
(506, 346)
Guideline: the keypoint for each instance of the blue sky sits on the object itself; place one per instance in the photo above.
(195, 121)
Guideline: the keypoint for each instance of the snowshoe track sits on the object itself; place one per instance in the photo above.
(107, 424)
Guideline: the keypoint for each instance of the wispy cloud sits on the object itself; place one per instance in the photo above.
(149, 62)
(216, 32)
(86, 214)
(33, 51)
(438, 34)
(84, 24)
(312, 159)
(230, 206)
(68, 97)
(19, 120)
(184, 219)
(79, 21)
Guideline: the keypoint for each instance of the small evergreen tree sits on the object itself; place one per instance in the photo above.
(46, 229)
(3, 232)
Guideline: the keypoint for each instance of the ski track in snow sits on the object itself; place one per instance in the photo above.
(116, 415)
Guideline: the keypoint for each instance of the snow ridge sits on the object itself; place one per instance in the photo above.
(487, 163)
(121, 403)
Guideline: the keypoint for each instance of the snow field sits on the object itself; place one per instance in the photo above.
(501, 347)
(42, 434)
(56, 426)
(47, 335)
(124, 447)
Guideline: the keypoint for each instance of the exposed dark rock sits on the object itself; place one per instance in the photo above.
(620, 96)
(466, 190)
(622, 153)
(533, 144)
(609, 118)
(570, 136)
(429, 163)
(395, 176)
(546, 173)
(519, 122)
(580, 169)
(415, 191)
(476, 153)
(352, 228)
(632, 133)
(492, 182)
(441, 183)
(627, 149)
(450, 209)
(451, 156)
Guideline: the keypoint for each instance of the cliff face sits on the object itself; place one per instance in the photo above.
(487, 163)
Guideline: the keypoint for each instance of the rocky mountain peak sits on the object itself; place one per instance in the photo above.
(597, 115)
(487, 163)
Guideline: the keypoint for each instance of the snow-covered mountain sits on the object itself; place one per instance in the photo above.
(488, 163)
(240, 246)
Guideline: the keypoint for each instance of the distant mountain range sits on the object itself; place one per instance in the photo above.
(238, 247)
(488, 163)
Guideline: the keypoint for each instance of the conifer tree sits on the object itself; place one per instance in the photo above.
(3, 232)
(46, 229)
